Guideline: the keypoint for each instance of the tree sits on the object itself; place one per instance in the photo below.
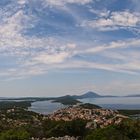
(14, 135)
(109, 133)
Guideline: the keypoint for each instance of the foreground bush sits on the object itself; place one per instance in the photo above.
(14, 135)
(127, 130)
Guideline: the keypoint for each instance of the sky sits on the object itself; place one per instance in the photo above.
(59, 47)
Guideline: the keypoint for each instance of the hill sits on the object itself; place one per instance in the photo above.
(66, 100)
(89, 94)
(89, 106)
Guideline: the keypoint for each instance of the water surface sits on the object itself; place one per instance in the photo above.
(115, 102)
(45, 107)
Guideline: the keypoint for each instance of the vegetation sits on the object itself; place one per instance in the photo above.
(129, 112)
(13, 104)
(127, 130)
(17, 123)
(90, 106)
(14, 134)
(62, 128)
(109, 133)
(67, 100)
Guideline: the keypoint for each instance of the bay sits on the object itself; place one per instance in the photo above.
(47, 107)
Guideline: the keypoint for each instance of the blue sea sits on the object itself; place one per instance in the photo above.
(115, 102)
(46, 107)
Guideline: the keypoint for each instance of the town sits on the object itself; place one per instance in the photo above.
(74, 122)
(97, 117)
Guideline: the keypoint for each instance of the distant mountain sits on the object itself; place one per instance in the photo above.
(136, 95)
(89, 94)
(69, 100)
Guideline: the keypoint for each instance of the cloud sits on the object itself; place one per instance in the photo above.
(29, 55)
(114, 21)
(35, 56)
(118, 87)
(114, 45)
(122, 56)
(50, 59)
(100, 13)
(118, 68)
(22, 2)
(64, 2)
(53, 55)
(26, 52)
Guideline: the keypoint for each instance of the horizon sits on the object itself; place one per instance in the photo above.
(18, 97)
(51, 48)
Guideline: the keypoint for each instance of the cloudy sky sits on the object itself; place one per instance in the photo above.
(58, 47)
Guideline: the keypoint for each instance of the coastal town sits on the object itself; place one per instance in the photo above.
(94, 117)
(69, 123)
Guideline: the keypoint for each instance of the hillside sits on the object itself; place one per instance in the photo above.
(136, 95)
(66, 100)
(89, 94)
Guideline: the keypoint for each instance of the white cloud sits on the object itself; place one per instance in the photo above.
(35, 56)
(22, 2)
(31, 55)
(63, 2)
(28, 52)
(124, 51)
(115, 21)
(132, 43)
(50, 59)
(118, 44)
(100, 13)
(54, 56)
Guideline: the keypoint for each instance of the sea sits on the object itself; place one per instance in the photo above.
(47, 107)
